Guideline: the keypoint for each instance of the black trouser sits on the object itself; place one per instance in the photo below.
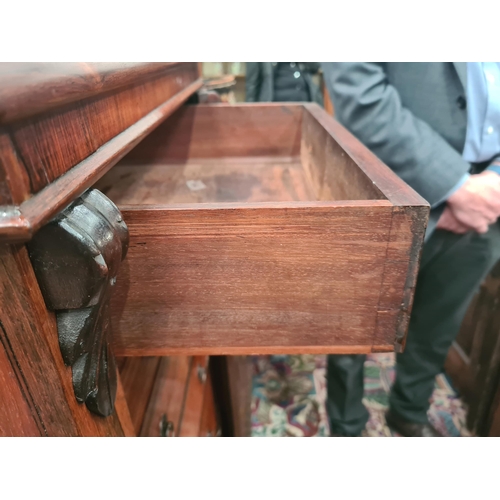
(452, 269)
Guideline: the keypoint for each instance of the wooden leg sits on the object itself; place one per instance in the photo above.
(473, 361)
(232, 382)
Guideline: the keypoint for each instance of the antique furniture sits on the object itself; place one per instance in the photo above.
(180, 239)
(474, 359)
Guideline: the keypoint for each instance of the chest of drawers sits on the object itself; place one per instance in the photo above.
(234, 230)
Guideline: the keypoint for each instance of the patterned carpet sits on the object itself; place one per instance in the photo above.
(289, 394)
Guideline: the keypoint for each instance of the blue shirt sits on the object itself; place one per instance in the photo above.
(482, 141)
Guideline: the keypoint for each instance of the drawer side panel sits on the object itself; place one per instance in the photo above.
(250, 278)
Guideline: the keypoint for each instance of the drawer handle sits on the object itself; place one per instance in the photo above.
(202, 374)
(166, 427)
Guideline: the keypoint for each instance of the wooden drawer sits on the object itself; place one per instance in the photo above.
(261, 229)
(181, 402)
(138, 376)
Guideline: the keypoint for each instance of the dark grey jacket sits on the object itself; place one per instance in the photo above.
(259, 81)
(411, 115)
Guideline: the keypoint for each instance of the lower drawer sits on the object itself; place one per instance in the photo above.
(261, 229)
(181, 402)
(138, 376)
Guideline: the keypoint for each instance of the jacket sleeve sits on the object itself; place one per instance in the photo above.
(367, 105)
(252, 81)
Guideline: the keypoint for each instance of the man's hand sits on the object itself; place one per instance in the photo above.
(476, 204)
(449, 222)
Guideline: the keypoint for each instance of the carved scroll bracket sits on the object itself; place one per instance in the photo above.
(76, 258)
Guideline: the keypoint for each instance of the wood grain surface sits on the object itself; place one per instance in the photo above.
(169, 395)
(401, 266)
(20, 224)
(209, 425)
(30, 341)
(384, 179)
(239, 372)
(224, 276)
(18, 417)
(123, 411)
(223, 130)
(14, 181)
(245, 179)
(183, 397)
(473, 361)
(260, 228)
(138, 376)
(28, 89)
(335, 175)
(232, 380)
(88, 125)
(191, 419)
(230, 250)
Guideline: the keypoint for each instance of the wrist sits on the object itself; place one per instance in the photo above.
(457, 195)
(452, 191)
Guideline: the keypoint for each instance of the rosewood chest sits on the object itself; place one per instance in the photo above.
(149, 242)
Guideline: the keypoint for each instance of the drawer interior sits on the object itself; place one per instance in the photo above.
(253, 231)
(264, 179)
(238, 154)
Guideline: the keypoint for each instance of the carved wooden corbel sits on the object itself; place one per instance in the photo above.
(76, 258)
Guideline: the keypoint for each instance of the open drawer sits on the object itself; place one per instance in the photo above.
(262, 229)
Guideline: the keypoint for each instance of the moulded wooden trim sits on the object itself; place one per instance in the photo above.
(255, 205)
(14, 182)
(27, 89)
(251, 351)
(18, 224)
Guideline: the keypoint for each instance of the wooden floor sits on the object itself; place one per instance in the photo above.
(265, 179)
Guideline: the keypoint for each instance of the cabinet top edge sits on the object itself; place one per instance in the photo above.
(27, 89)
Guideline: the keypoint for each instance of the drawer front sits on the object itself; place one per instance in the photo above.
(228, 281)
(312, 248)
(166, 404)
(193, 410)
(138, 376)
(182, 401)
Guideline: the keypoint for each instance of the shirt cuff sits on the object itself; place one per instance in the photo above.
(457, 186)
(495, 167)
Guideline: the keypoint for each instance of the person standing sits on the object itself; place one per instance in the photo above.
(437, 125)
(282, 82)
